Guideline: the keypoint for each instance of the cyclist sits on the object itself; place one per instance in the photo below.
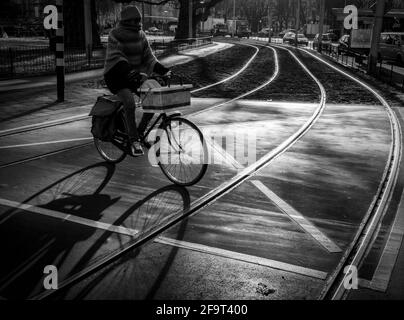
(128, 56)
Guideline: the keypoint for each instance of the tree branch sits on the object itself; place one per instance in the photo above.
(144, 1)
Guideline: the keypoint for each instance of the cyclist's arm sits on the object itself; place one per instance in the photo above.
(149, 59)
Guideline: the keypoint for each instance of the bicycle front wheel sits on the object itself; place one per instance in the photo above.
(181, 153)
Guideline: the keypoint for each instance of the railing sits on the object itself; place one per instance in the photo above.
(388, 71)
(40, 60)
(25, 61)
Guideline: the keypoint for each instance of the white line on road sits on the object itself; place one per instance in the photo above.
(66, 217)
(44, 142)
(244, 257)
(167, 241)
(384, 270)
(305, 224)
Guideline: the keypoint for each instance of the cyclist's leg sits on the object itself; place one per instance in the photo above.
(146, 118)
(126, 96)
(129, 106)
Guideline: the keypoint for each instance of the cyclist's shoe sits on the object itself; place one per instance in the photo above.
(136, 149)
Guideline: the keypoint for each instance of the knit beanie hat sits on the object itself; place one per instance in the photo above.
(130, 12)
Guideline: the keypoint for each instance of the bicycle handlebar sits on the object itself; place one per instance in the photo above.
(165, 78)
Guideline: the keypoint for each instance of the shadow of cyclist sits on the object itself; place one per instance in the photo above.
(30, 240)
(143, 216)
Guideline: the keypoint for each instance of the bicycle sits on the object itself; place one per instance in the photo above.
(175, 158)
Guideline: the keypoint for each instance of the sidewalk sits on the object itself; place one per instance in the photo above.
(48, 81)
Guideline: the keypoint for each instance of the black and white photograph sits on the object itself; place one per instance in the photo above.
(197, 155)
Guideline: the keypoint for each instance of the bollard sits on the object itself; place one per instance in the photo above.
(10, 51)
(380, 67)
(89, 53)
(60, 58)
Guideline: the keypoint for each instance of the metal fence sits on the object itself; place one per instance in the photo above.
(388, 71)
(25, 61)
(39, 60)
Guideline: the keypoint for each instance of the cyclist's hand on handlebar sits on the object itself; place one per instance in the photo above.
(137, 77)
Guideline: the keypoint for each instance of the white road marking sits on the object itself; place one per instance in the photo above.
(244, 257)
(382, 275)
(167, 241)
(44, 142)
(67, 217)
(305, 224)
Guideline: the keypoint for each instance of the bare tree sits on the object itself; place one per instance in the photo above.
(200, 12)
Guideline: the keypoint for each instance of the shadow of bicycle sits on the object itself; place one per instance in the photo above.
(68, 235)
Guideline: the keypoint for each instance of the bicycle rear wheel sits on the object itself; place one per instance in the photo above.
(111, 151)
(181, 153)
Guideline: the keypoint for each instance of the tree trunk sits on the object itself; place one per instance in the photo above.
(183, 21)
(74, 24)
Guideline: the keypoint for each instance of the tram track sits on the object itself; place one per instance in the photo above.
(369, 226)
(366, 234)
(211, 196)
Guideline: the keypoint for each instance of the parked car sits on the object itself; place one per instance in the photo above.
(263, 32)
(289, 37)
(301, 39)
(153, 30)
(344, 41)
(173, 28)
(284, 32)
(392, 46)
(344, 44)
(243, 31)
(334, 34)
(326, 40)
(220, 30)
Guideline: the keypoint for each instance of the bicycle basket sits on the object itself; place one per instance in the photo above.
(166, 98)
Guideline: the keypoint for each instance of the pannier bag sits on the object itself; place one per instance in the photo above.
(166, 98)
(104, 114)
